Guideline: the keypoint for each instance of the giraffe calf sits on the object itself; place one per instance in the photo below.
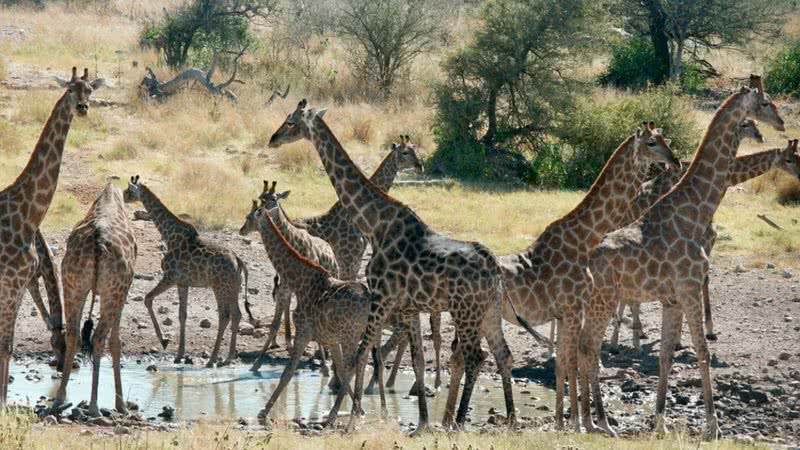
(100, 258)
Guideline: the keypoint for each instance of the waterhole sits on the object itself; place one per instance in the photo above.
(232, 392)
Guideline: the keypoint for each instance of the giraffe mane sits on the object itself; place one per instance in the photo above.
(175, 217)
(293, 251)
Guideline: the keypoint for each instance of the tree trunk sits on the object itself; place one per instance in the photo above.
(491, 114)
(676, 63)
(657, 23)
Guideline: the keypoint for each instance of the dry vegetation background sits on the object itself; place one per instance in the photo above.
(207, 157)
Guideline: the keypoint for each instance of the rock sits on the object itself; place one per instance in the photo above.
(787, 318)
(682, 399)
(772, 362)
(119, 430)
(101, 421)
(50, 420)
(34, 313)
(152, 368)
(163, 310)
(245, 329)
(259, 333)
(138, 298)
(64, 421)
(141, 215)
(86, 433)
(252, 291)
(630, 386)
(770, 266)
(167, 413)
(739, 269)
(167, 321)
(784, 356)
(205, 323)
(787, 274)
(144, 276)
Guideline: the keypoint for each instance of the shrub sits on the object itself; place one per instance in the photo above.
(634, 64)
(783, 71)
(600, 123)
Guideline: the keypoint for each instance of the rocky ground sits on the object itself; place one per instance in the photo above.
(756, 361)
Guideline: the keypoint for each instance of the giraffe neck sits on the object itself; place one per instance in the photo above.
(753, 165)
(604, 207)
(36, 185)
(698, 194)
(289, 264)
(361, 199)
(386, 172)
(169, 225)
(281, 220)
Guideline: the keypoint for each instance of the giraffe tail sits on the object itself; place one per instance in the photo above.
(536, 335)
(88, 325)
(243, 268)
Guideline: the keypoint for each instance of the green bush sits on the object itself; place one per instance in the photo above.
(598, 124)
(633, 64)
(783, 71)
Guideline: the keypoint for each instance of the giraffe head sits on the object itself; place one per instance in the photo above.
(134, 191)
(296, 125)
(79, 90)
(789, 159)
(251, 220)
(406, 155)
(748, 129)
(762, 107)
(270, 199)
(651, 145)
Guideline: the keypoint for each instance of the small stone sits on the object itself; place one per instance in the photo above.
(119, 430)
(787, 274)
(252, 291)
(152, 368)
(138, 298)
(163, 310)
(144, 276)
(772, 362)
(205, 323)
(788, 319)
(682, 399)
(167, 322)
(167, 413)
(784, 356)
(739, 269)
(86, 433)
(51, 420)
(101, 421)
(34, 313)
(259, 333)
(770, 266)
(245, 329)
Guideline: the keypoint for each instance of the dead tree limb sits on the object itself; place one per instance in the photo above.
(769, 222)
(277, 93)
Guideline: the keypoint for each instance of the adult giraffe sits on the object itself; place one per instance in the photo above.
(23, 206)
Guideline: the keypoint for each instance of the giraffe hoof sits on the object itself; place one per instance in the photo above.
(711, 336)
(164, 343)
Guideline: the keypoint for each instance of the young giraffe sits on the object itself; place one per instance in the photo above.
(329, 311)
(193, 261)
(23, 206)
(412, 269)
(52, 317)
(100, 258)
(744, 168)
(660, 257)
(549, 279)
(310, 247)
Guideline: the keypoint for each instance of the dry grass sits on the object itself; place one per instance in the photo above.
(18, 431)
(3, 69)
(11, 140)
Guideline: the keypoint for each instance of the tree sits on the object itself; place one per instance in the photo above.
(218, 27)
(387, 35)
(512, 82)
(678, 26)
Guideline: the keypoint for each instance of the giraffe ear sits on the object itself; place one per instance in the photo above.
(320, 112)
(668, 141)
(61, 82)
(284, 195)
(302, 105)
(97, 83)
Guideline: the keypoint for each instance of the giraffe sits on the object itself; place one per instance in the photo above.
(193, 261)
(330, 311)
(52, 317)
(549, 279)
(661, 257)
(100, 258)
(412, 269)
(335, 227)
(23, 206)
(310, 246)
(744, 168)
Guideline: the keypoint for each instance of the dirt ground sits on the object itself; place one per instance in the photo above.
(756, 361)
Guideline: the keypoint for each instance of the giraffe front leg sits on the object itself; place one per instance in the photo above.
(456, 365)
(493, 326)
(109, 316)
(167, 281)
(223, 316)
(436, 335)
(183, 313)
(671, 321)
(618, 318)
(418, 358)
(73, 310)
(709, 321)
(694, 318)
(116, 358)
(231, 302)
(301, 341)
(470, 342)
(598, 315)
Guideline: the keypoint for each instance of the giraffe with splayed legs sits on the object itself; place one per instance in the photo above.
(193, 261)
(330, 311)
(660, 257)
(23, 206)
(412, 269)
(100, 259)
(53, 315)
